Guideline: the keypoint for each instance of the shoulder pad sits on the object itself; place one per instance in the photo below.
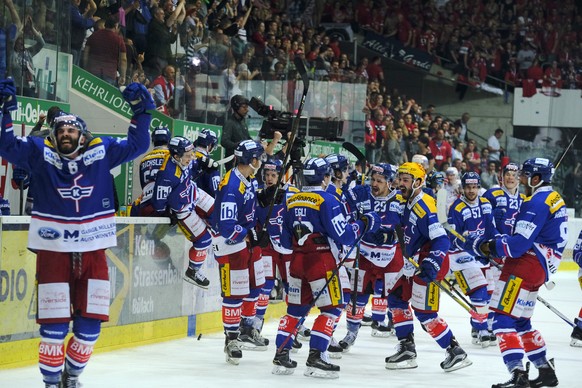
(429, 202)
(310, 200)
(483, 200)
(554, 201)
(497, 192)
(224, 180)
(460, 206)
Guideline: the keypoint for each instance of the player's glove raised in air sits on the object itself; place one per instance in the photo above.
(138, 97)
(476, 245)
(370, 222)
(358, 198)
(8, 95)
(429, 269)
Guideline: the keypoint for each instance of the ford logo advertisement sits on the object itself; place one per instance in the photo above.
(48, 233)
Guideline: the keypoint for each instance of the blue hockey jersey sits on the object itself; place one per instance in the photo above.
(542, 226)
(174, 188)
(75, 212)
(275, 224)
(235, 205)
(505, 208)
(422, 230)
(206, 179)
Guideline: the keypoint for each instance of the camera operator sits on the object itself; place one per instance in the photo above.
(236, 130)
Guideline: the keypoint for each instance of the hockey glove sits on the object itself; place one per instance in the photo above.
(382, 237)
(476, 245)
(358, 198)
(139, 98)
(207, 163)
(429, 269)
(370, 222)
(20, 177)
(8, 95)
(258, 238)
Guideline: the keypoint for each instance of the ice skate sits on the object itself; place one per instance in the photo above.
(456, 357)
(194, 276)
(576, 337)
(303, 333)
(251, 339)
(546, 377)
(283, 365)
(231, 348)
(69, 381)
(405, 356)
(381, 330)
(334, 350)
(518, 380)
(482, 338)
(318, 366)
(367, 319)
(348, 341)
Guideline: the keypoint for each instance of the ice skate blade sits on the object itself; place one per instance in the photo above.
(251, 347)
(576, 343)
(320, 374)
(462, 364)
(282, 371)
(187, 279)
(232, 361)
(302, 337)
(408, 364)
(381, 334)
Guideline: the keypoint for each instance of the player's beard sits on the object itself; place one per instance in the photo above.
(69, 146)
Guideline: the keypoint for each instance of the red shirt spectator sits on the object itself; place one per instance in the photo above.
(374, 69)
(440, 149)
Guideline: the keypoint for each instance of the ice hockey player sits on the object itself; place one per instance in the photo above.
(576, 337)
(176, 195)
(472, 214)
(506, 200)
(533, 253)
(275, 257)
(380, 254)
(72, 173)
(148, 170)
(425, 240)
(315, 226)
(207, 174)
(237, 250)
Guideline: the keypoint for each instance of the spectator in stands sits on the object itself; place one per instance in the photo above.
(525, 58)
(375, 70)
(164, 88)
(412, 147)
(424, 149)
(458, 149)
(80, 23)
(494, 146)
(373, 138)
(473, 157)
(162, 33)
(441, 149)
(490, 176)
(23, 70)
(105, 54)
(138, 21)
(535, 72)
(462, 124)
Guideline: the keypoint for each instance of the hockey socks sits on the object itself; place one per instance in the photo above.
(436, 327)
(80, 346)
(51, 351)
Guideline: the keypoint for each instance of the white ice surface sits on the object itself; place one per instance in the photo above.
(200, 363)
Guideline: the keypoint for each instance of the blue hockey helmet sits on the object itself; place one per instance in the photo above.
(435, 179)
(71, 120)
(337, 162)
(161, 135)
(387, 170)
(206, 138)
(273, 164)
(470, 178)
(247, 150)
(538, 166)
(315, 170)
(179, 145)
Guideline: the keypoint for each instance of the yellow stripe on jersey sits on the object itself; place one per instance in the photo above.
(418, 210)
(554, 202)
(497, 193)
(510, 293)
(460, 206)
(242, 188)
(461, 281)
(224, 180)
(310, 200)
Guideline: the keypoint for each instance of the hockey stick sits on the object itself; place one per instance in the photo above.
(351, 148)
(566, 150)
(549, 285)
(323, 289)
(225, 160)
(449, 289)
(294, 128)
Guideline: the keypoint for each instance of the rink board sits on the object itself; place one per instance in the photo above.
(149, 300)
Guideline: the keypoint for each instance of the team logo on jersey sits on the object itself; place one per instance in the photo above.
(76, 192)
